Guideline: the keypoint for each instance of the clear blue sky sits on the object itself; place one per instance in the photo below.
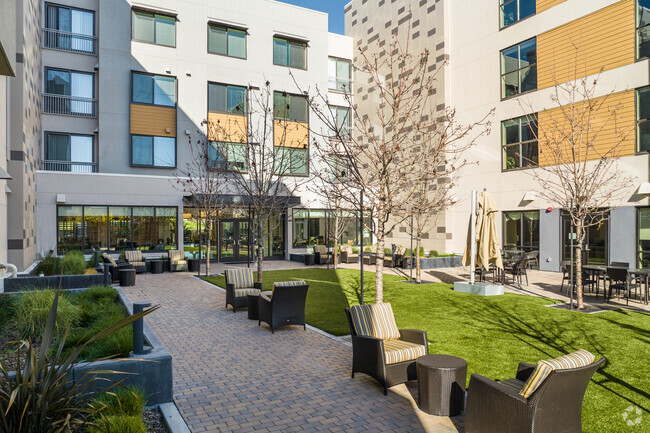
(333, 7)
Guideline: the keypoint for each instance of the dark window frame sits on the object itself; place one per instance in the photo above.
(153, 14)
(502, 74)
(70, 71)
(504, 145)
(226, 170)
(227, 86)
(639, 251)
(133, 73)
(520, 229)
(334, 89)
(637, 30)
(228, 28)
(68, 134)
(504, 2)
(328, 215)
(153, 144)
(290, 42)
(639, 121)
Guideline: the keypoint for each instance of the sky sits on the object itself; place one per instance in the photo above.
(333, 7)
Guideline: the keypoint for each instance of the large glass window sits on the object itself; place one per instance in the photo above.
(343, 121)
(316, 227)
(69, 92)
(642, 117)
(223, 98)
(233, 153)
(95, 219)
(643, 29)
(340, 74)
(153, 151)
(226, 41)
(119, 226)
(289, 53)
(520, 142)
(289, 107)
(512, 11)
(519, 68)
(70, 228)
(644, 237)
(154, 28)
(290, 160)
(521, 230)
(154, 89)
(69, 29)
(68, 152)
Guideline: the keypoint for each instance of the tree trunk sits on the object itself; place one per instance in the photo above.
(260, 250)
(418, 268)
(578, 275)
(379, 264)
(207, 244)
(335, 253)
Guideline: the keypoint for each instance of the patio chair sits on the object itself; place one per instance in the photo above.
(115, 266)
(322, 256)
(519, 268)
(543, 398)
(620, 265)
(239, 284)
(285, 305)
(379, 349)
(398, 257)
(177, 261)
(533, 258)
(618, 279)
(135, 259)
(347, 255)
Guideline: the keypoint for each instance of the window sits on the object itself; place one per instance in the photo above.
(290, 160)
(154, 89)
(150, 151)
(512, 11)
(69, 29)
(235, 154)
(521, 230)
(289, 107)
(643, 219)
(223, 98)
(642, 116)
(340, 75)
(311, 227)
(643, 29)
(226, 41)
(343, 122)
(519, 68)
(519, 142)
(115, 228)
(68, 152)
(154, 28)
(69, 92)
(289, 53)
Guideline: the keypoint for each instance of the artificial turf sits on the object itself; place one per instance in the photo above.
(495, 333)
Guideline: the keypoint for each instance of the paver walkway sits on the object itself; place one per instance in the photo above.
(231, 375)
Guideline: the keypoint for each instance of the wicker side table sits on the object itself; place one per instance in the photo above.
(253, 306)
(441, 384)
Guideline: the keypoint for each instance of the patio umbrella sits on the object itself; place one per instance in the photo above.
(488, 249)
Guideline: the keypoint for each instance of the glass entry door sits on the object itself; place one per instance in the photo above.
(595, 246)
(234, 239)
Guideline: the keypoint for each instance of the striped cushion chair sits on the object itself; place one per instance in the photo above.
(240, 284)
(380, 349)
(542, 398)
(134, 258)
(285, 306)
(177, 261)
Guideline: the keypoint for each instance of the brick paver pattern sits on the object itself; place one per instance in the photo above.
(232, 376)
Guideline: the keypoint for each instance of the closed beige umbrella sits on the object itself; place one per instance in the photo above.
(488, 249)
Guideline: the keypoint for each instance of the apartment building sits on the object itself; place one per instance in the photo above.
(107, 96)
(504, 54)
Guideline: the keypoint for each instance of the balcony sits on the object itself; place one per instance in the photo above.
(340, 84)
(70, 166)
(69, 105)
(70, 42)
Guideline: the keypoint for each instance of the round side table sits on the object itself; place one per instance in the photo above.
(310, 259)
(127, 277)
(441, 384)
(157, 266)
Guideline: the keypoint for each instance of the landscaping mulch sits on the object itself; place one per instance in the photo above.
(154, 421)
(9, 343)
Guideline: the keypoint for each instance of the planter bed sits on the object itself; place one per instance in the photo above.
(435, 262)
(19, 284)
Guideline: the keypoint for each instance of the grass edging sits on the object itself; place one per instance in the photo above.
(173, 418)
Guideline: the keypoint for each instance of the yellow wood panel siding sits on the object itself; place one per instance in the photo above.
(542, 5)
(609, 129)
(604, 39)
(227, 128)
(290, 134)
(153, 120)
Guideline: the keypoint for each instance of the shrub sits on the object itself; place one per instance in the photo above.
(388, 252)
(73, 263)
(49, 265)
(367, 249)
(355, 250)
(121, 401)
(433, 253)
(118, 424)
(97, 293)
(33, 308)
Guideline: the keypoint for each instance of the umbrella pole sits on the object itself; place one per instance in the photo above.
(472, 228)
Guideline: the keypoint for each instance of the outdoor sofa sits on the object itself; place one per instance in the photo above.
(115, 266)
(543, 398)
(240, 284)
(379, 349)
(284, 305)
(135, 259)
(177, 261)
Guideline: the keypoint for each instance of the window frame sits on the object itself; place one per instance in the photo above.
(69, 135)
(636, 32)
(519, 143)
(153, 159)
(291, 41)
(227, 86)
(637, 121)
(227, 28)
(69, 71)
(291, 173)
(503, 2)
(520, 228)
(291, 95)
(225, 170)
(638, 234)
(153, 14)
(328, 216)
(153, 77)
(60, 6)
(336, 78)
(518, 70)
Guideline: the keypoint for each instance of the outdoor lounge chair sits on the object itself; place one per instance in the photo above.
(239, 284)
(347, 255)
(398, 257)
(177, 261)
(284, 306)
(134, 258)
(379, 349)
(115, 266)
(528, 404)
(322, 256)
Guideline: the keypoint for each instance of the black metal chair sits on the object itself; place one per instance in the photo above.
(519, 268)
(618, 279)
(556, 406)
(284, 306)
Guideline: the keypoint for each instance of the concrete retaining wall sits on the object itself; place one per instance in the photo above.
(10, 285)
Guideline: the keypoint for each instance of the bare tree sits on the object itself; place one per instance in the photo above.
(262, 171)
(580, 142)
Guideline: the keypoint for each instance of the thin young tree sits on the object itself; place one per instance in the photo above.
(580, 141)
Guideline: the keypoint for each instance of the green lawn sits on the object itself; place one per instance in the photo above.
(494, 333)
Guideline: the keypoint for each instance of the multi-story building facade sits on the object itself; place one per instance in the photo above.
(117, 91)
(507, 56)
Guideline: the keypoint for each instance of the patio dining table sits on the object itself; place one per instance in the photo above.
(639, 273)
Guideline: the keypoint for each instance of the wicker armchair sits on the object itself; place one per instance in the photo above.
(135, 259)
(555, 406)
(115, 266)
(321, 255)
(380, 350)
(285, 305)
(239, 284)
(177, 261)
(347, 255)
